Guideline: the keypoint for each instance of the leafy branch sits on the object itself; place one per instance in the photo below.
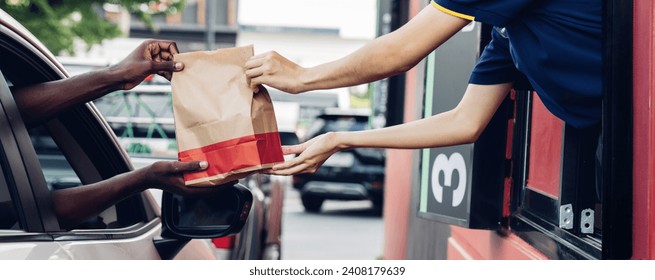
(58, 23)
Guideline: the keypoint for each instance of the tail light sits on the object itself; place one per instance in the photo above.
(377, 184)
(226, 242)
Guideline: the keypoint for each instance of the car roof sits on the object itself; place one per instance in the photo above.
(83, 61)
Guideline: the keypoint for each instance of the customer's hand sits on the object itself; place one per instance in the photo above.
(273, 70)
(151, 57)
(167, 176)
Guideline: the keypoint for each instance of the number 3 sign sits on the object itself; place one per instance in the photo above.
(448, 165)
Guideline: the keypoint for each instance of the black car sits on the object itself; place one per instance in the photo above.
(355, 174)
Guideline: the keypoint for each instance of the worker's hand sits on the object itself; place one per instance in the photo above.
(273, 70)
(313, 154)
(151, 57)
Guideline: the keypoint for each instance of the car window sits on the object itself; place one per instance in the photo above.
(327, 123)
(56, 168)
(289, 138)
(142, 119)
(8, 212)
(70, 150)
(59, 174)
(344, 124)
(57, 171)
(7, 208)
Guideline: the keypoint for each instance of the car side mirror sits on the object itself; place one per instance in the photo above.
(217, 214)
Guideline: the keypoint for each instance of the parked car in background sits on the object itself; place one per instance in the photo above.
(355, 174)
(76, 147)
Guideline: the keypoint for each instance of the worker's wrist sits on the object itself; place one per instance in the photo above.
(340, 140)
(306, 80)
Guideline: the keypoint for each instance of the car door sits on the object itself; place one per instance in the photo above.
(73, 149)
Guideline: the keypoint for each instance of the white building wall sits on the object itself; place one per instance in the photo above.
(353, 18)
(308, 32)
(306, 49)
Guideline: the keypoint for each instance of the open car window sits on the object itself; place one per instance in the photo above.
(70, 150)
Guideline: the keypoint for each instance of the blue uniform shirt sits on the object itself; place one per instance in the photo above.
(556, 44)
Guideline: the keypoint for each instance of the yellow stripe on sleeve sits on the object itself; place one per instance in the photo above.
(451, 12)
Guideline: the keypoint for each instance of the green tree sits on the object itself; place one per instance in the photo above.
(57, 23)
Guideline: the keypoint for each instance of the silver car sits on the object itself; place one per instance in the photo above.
(79, 147)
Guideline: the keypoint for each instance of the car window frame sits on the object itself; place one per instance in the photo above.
(45, 220)
(22, 198)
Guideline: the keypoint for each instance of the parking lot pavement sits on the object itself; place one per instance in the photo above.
(343, 230)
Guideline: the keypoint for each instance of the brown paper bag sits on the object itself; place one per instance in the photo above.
(220, 120)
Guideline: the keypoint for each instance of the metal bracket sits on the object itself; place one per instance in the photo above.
(566, 216)
(587, 221)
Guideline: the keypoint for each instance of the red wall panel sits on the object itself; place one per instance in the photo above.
(545, 150)
(644, 131)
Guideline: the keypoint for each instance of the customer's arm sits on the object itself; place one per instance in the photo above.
(75, 205)
(40, 102)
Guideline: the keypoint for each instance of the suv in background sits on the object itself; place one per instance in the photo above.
(355, 174)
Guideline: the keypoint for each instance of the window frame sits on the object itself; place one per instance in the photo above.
(23, 199)
(535, 216)
(36, 210)
(617, 157)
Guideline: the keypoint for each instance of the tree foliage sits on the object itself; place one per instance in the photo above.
(57, 23)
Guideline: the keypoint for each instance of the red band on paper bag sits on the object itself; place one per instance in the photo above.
(235, 154)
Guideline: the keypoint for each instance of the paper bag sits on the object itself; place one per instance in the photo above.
(218, 118)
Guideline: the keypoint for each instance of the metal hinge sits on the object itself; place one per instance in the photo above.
(587, 221)
(566, 216)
